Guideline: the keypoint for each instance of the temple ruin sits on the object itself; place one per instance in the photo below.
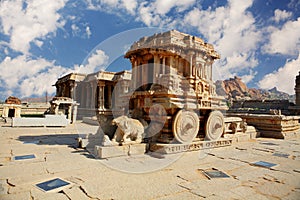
(170, 92)
(12, 107)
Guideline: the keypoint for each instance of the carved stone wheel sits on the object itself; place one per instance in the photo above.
(214, 125)
(185, 126)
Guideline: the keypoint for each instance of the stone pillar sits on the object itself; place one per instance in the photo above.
(72, 85)
(191, 66)
(171, 64)
(5, 111)
(56, 109)
(205, 71)
(82, 95)
(180, 65)
(109, 96)
(74, 113)
(101, 95)
(156, 67)
(164, 65)
(211, 73)
(70, 113)
(297, 90)
(93, 94)
(134, 75)
(87, 97)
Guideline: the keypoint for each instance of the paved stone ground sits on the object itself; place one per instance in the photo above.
(150, 176)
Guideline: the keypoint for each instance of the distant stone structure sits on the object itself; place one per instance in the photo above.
(92, 94)
(63, 102)
(64, 106)
(12, 107)
(65, 86)
(273, 118)
(13, 100)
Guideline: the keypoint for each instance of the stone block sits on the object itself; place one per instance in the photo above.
(193, 146)
(48, 120)
(116, 151)
(56, 120)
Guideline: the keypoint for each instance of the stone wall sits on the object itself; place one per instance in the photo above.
(262, 104)
(48, 120)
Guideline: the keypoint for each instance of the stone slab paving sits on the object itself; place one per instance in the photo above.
(152, 176)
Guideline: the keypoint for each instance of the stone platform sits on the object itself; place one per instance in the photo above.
(193, 146)
(116, 151)
(57, 157)
(272, 126)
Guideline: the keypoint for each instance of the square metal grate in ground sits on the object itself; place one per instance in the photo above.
(24, 157)
(52, 184)
(214, 173)
(284, 155)
(264, 164)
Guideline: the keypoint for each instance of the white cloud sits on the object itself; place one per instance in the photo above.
(281, 15)
(232, 30)
(26, 76)
(26, 24)
(151, 13)
(96, 62)
(41, 82)
(111, 6)
(38, 43)
(88, 31)
(147, 15)
(130, 5)
(75, 29)
(285, 40)
(249, 77)
(164, 6)
(283, 78)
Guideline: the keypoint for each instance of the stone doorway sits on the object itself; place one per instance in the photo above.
(11, 112)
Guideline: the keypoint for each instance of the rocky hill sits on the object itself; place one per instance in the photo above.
(235, 89)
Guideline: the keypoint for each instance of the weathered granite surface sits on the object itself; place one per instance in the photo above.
(109, 178)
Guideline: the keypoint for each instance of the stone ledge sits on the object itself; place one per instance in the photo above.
(193, 146)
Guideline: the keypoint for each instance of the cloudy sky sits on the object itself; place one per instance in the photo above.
(41, 40)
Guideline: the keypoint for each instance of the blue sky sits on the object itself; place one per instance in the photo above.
(41, 40)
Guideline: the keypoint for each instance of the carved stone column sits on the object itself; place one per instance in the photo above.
(156, 67)
(134, 72)
(164, 65)
(72, 91)
(93, 94)
(101, 95)
(82, 95)
(191, 65)
(171, 65)
(109, 96)
(56, 109)
(74, 113)
(87, 97)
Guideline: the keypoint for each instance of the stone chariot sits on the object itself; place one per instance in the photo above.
(172, 72)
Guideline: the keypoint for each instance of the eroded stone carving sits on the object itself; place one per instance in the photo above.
(128, 130)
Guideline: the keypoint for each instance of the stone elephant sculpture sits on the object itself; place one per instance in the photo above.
(128, 130)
